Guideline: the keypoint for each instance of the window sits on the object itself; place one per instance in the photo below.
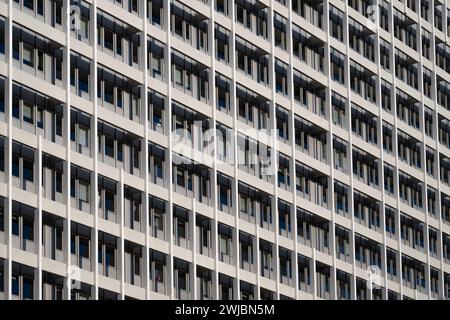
(205, 237)
(109, 147)
(84, 27)
(157, 117)
(220, 6)
(137, 265)
(15, 166)
(181, 228)
(159, 272)
(158, 168)
(40, 118)
(57, 14)
(72, 244)
(134, 5)
(156, 12)
(135, 52)
(182, 280)
(158, 220)
(109, 201)
(110, 256)
(224, 248)
(156, 65)
(178, 75)
(188, 81)
(178, 26)
(242, 204)
(58, 69)
(241, 60)
(119, 97)
(28, 113)
(221, 50)
(136, 157)
(28, 231)
(223, 197)
(84, 247)
(266, 260)
(2, 222)
(118, 44)
(100, 253)
(28, 170)
(136, 212)
(16, 49)
(84, 192)
(109, 39)
(28, 4)
(83, 137)
(28, 56)
(2, 288)
(15, 225)
(40, 60)
(83, 81)
(15, 285)
(240, 14)
(59, 125)
(15, 107)
(180, 178)
(119, 151)
(109, 93)
(58, 239)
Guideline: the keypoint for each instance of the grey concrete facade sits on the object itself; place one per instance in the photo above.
(96, 203)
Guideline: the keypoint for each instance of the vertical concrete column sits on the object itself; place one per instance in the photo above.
(121, 240)
(329, 111)
(168, 128)
(145, 153)
(66, 138)
(38, 221)
(213, 155)
(437, 160)
(93, 35)
(273, 145)
(193, 247)
(8, 153)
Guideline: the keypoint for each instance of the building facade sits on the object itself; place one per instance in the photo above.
(328, 176)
